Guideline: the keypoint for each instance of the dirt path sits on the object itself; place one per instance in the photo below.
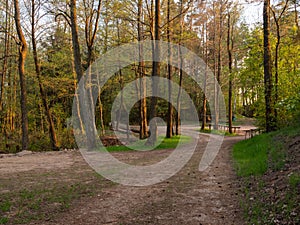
(190, 197)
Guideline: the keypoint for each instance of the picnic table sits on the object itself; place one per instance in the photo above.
(224, 127)
(252, 132)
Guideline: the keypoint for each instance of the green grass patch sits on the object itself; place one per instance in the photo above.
(165, 143)
(5, 206)
(251, 156)
(3, 220)
(254, 156)
(267, 154)
(294, 180)
(40, 203)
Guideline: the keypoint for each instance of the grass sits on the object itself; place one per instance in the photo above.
(165, 143)
(5, 207)
(294, 180)
(260, 155)
(251, 156)
(40, 203)
(254, 156)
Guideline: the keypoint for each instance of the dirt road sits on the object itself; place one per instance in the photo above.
(190, 197)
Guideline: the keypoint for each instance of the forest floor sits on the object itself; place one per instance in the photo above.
(60, 188)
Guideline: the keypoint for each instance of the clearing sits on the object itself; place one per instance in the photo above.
(60, 188)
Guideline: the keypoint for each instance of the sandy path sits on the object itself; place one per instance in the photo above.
(190, 197)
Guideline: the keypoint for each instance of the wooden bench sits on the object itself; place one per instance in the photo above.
(252, 132)
(226, 128)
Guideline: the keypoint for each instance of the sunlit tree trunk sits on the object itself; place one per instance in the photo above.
(155, 74)
(204, 104)
(89, 120)
(5, 59)
(52, 132)
(181, 61)
(141, 74)
(23, 48)
(170, 76)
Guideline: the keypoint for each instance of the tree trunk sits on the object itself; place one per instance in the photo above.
(270, 126)
(204, 105)
(219, 66)
(155, 74)
(22, 57)
(229, 49)
(170, 76)
(53, 138)
(178, 115)
(278, 40)
(89, 118)
(75, 40)
(6, 52)
(141, 74)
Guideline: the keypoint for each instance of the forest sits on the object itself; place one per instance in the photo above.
(47, 45)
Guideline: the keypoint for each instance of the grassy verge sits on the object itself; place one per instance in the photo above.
(165, 143)
(270, 183)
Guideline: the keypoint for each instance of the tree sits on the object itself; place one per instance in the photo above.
(268, 80)
(181, 61)
(6, 52)
(278, 42)
(89, 120)
(53, 137)
(229, 49)
(170, 74)
(155, 74)
(23, 48)
(141, 72)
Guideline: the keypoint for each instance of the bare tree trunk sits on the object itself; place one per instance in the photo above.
(23, 48)
(75, 40)
(270, 126)
(89, 120)
(53, 138)
(141, 72)
(204, 105)
(229, 49)
(170, 76)
(90, 30)
(6, 52)
(81, 127)
(296, 18)
(155, 74)
(219, 65)
(178, 115)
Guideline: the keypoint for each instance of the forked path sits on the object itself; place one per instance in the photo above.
(189, 197)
